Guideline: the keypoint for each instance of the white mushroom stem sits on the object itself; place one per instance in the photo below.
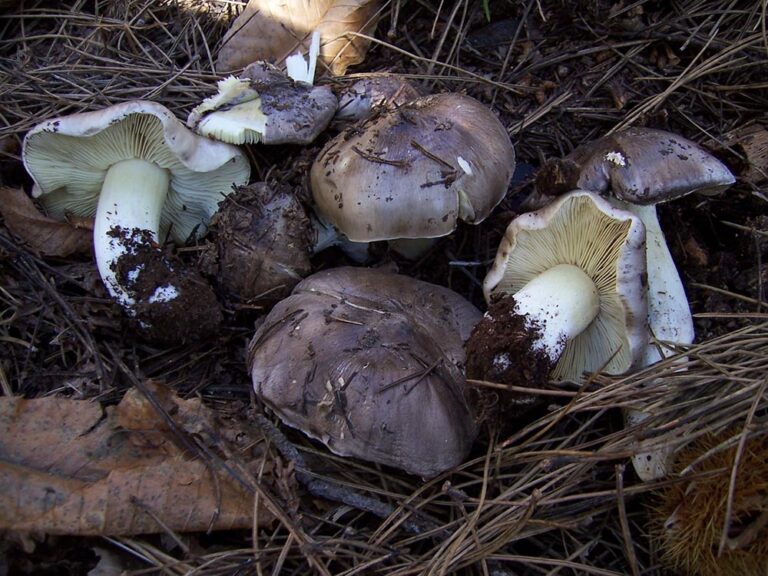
(559, 303)
(326, 236)
(412, 248)
(669, 319)
(669, 314)
(132, 197)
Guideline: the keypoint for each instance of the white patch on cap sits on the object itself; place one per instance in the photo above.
(616, 158)
(464, 165)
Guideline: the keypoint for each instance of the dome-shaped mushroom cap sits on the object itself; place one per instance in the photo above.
(646, 166)
(412, 172)
(371, 364)
(361, 99)
(68, 158)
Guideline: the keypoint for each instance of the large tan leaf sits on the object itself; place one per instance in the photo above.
(69, 467)
(45, 235)
(273, 29)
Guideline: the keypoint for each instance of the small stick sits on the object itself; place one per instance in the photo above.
(334, 492)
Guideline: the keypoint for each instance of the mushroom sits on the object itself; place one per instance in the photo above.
(414, 171)
(144, 176)
(576, 271)
(641, 167)
(262, 244)
(361, 100)
(264, 105)
(371, 364)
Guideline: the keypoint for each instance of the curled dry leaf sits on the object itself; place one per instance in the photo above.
(746, 152)
(271, 30)
(70, 467)
(45, 235)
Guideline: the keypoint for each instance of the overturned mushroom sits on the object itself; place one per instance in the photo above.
(262, 244)
(414, 171)
(371, 364)
(264, 105)
(576, 271)
(144, 176)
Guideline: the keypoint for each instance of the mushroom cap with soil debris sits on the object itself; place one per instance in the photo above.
(414, 171)
(264, 105)
(371, 363)
(261, 245)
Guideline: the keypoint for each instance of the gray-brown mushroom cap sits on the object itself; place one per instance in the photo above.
(371, 364)
(643, 166)
(414, 171)
(262, 244)
(264, 105)
(363, 98)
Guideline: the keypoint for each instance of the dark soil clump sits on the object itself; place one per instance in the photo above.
(174, 304)
(500, 351)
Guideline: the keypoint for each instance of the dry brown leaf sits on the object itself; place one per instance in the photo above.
(750, 144)
(273, 29)
(45, 235)
(69, 467)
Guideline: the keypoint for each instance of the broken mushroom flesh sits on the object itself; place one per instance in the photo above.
(370, 363)
(144, 177)
(264, 105)
(414, 171)
(576, 270)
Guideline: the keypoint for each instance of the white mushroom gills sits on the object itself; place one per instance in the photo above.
(132, 197)
(560, 303)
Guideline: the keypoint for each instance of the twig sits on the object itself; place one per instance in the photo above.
(334, 492)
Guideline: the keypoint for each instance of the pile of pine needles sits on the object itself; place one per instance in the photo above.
(551, 493)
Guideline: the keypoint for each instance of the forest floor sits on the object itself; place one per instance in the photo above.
(552, 493)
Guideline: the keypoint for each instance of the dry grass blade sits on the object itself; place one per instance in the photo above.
(67, 59)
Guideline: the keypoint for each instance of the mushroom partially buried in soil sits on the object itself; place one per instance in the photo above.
(414, 171)
(264, 105)
(575, 273)
(262, 245)
(144, 176)
(371, 363)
